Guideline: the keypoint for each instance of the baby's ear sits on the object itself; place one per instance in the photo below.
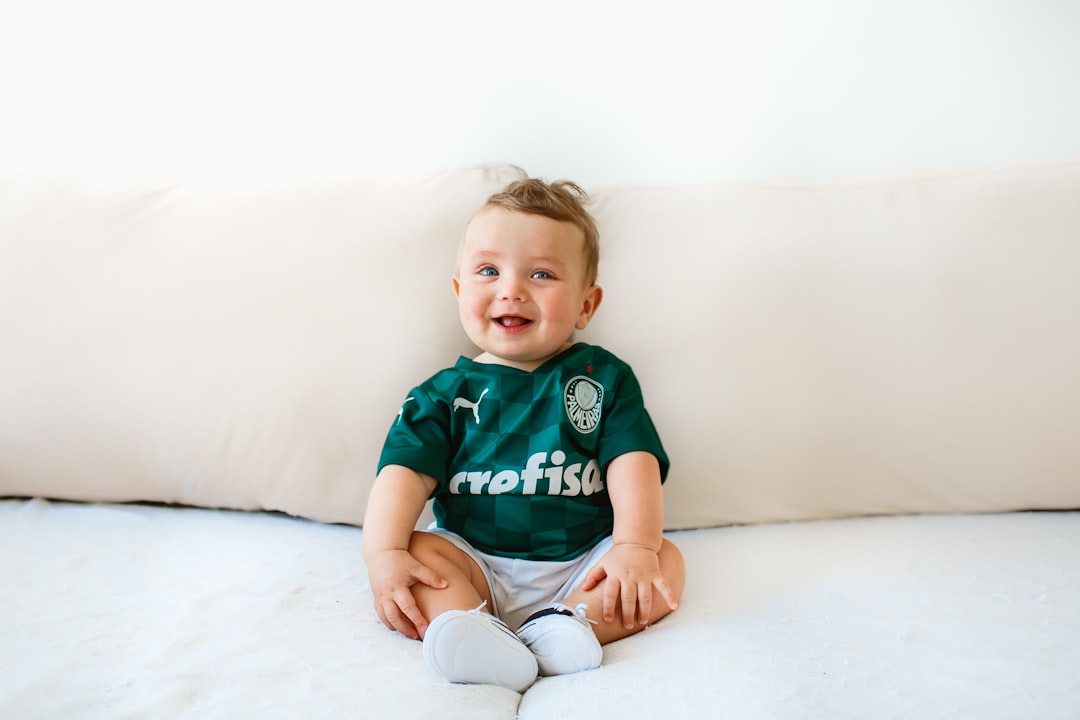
(591, 301)
(457, 286)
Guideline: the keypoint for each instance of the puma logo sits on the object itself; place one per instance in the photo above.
(402, 410)
(474, 406)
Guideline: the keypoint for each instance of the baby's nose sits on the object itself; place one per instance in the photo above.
(511, 289)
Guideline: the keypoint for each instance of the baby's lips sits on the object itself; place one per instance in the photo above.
(512, 321)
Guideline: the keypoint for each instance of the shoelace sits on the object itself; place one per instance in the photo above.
(497, 622)
(578, 611)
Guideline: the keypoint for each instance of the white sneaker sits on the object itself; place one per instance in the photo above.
(475, 647)
(562, 640)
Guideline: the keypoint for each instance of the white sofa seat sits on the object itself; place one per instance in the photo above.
(143, 611)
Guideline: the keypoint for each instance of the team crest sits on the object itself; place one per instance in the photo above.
(582, 400)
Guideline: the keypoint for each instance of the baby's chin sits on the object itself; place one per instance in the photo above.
(522, 361)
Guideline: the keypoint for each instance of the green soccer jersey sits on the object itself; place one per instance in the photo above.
(521, 457)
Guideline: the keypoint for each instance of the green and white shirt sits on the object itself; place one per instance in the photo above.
(521, 457)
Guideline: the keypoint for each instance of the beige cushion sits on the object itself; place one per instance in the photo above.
(806, 352)
(813, 352)
(221, 348)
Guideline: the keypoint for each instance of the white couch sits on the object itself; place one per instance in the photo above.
(869, 394)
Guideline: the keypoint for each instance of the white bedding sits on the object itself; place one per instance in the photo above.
(146, 611)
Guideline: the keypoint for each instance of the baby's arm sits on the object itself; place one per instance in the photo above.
(395, 503)
(630, 571)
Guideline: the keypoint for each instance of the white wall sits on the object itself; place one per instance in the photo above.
(762, 90)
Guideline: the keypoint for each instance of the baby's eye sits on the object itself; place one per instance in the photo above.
(487, 271)
(542, 275)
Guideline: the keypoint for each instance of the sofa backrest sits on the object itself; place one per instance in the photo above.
(814, 352)
(806, 352)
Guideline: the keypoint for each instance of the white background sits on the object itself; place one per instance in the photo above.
(601, 92)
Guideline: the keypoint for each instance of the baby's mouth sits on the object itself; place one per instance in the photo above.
(512, 321)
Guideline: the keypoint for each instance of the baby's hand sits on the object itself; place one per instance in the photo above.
(630, 573)
(391, 574)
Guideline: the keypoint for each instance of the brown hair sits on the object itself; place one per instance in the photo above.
(561, 200)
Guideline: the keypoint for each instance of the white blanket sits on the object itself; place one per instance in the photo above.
(146, 611)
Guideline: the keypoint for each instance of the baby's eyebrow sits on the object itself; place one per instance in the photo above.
(549, 261)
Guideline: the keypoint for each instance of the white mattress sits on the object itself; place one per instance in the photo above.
(141, 611)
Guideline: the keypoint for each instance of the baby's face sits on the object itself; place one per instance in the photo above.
(521, 286)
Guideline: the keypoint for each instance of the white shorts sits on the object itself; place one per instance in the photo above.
(521, 587)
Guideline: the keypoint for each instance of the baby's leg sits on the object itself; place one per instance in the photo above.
(463, 644)
(466, 586)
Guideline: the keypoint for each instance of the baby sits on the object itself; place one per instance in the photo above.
(543, 464)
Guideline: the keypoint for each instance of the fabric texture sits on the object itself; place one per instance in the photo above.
(134, 611)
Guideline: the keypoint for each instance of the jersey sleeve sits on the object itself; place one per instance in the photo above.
(419, 438)
(627, 426)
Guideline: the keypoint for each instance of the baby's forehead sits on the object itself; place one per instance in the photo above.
(493, 229)
(495, 222)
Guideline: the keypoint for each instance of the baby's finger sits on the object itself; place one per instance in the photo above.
(429, 577)
(382, 616)
(611, 596)
(666, 592)
(644, 603)
(629, 604)
(395, 620)
(415, 620)
(593, 577)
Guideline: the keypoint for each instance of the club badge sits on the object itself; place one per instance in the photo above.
(582, 399)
